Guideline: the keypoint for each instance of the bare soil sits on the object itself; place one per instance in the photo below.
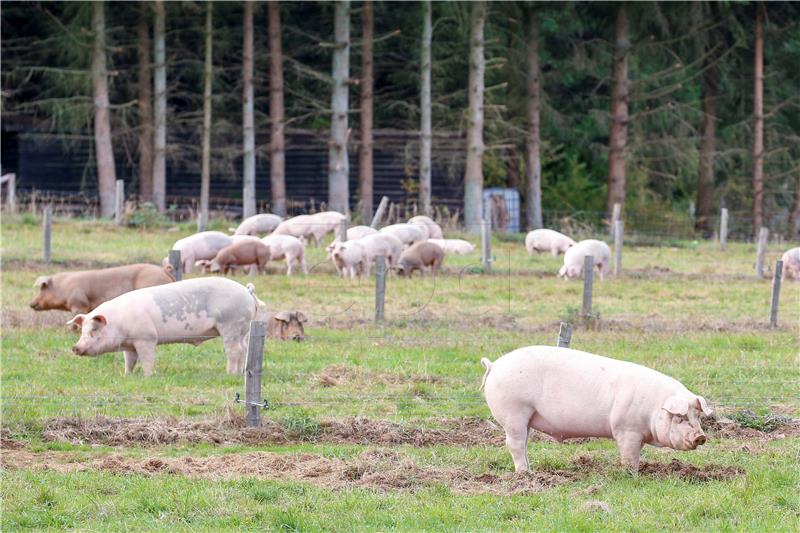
(335, 375)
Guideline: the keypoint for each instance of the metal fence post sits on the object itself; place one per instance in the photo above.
(201, 222)
(376, 220)
(119, 202)
(564, 335)
(619, 229)
(175, 261)
(723, 229)
(343, 230)
(614, 217)
(252, 374)
(761, 248)
(776, 294)
(380, 286)
(486, 244)
(588, 274)
(47, 229)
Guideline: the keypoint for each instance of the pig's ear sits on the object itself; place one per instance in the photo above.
(100, 321)
(76, 323)
(283, 316)
(677, 405)
(301, 316)
(42, 282)
(704, 406)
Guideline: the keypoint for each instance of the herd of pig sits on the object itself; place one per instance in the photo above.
(564, 393)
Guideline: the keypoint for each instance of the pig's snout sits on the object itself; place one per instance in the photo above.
(699, 440)
(34, 305)
(77, 350)
(298, 337)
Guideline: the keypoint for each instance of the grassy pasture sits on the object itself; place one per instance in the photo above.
(689, 310)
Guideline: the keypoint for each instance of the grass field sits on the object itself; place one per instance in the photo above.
(382, 426)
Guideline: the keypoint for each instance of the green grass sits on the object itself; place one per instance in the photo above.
(690, 311)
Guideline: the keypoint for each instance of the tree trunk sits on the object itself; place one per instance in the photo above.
(619, 112)
(145, 105)
(425, 111)
(248, 117)
(533, 163)
(208, 73)
(104, 148)
(365, 172)
(277, 141)
(758, 128)
(160, 115)
(473, 177)
(338, 165)
(704, 214)
(793, 231)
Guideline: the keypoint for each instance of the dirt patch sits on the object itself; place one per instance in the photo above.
(28, 318)
(231, 430)
(725, 428)
(335, 375)
(687, 472)
(378, 470)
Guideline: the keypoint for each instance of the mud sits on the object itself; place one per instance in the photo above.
(675, 468)
(336, 375)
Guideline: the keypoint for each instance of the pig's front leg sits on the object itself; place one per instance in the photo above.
(629, 445)
(146, 352)
(130, 360)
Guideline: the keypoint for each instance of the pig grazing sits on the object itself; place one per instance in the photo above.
(203, 245)
(408, 234)
(454, 246)
(568, 393)
(80, 292)
(791, 263)
(573, 258)
(287, 248)
(241, 254)
(190, 311)
(419, 256)
(287, 325)
(258, 224)
(434, 230)
(547, 240)
(380, 244)
(349, 258)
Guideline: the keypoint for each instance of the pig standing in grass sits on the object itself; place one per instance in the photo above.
(258, 224)
(357, 232)
(349, 258)
(417, 257)
(568, 394)
(547, 240)
(408, 234)
(454, 246)
(434, 231)
(80, 292)
(304, 227)
(203, 245)
(190, 311)
(380, 244)
(289, 249)
(573, 258)
(244, 253)
(791, 263)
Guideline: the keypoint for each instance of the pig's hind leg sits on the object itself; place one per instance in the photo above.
(130, 360)
(234, 339)
(516, 426)
(146, 354)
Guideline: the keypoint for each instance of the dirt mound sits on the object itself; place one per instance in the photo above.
(689, 472)
(725, 428)
(334, 375)
(231, 430)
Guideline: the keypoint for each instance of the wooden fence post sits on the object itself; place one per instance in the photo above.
(380, 286)
(119, 202)
(10, 180)
(761, 248)
(486, 244)
(252, 374)
(175, 261)
(588, 275)
(723, 229)
(343, 230)
(376, 220)
(564, 335)
(614, 217)
(776, 294)
(201, 222)
(619, 229)
(47, 229)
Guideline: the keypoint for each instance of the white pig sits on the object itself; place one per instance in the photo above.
(203, 245)
(454, 246)
(408, 234)
(434, 230)
(568, 393)
(547, 240)
(190, 311)
(357, 232)
(288, 248)
(310, 227)
(573, 258)
(349, 258)
(258, 224)
(388, 246)
(791, 263)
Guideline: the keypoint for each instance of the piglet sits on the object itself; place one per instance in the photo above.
(241, 254)
(574, 256)
(417, 257)
(791, 263)
(568, 394)
(547, 240)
